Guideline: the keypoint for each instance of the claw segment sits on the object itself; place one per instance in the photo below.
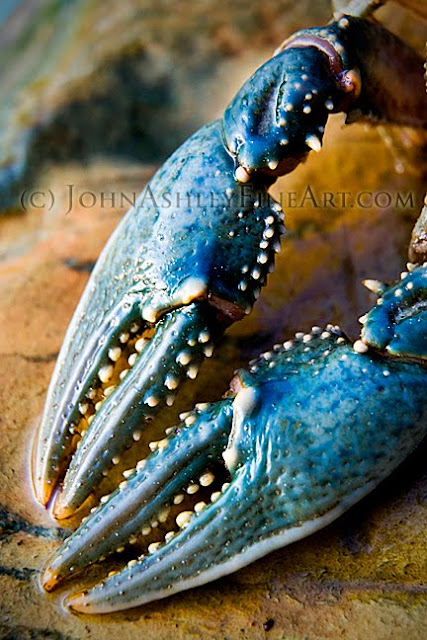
(165, 361)
(307, 452)
(397, 323)
(157, 482)
(155, 267)
(154, 577)
(303, 451)
(81, 397)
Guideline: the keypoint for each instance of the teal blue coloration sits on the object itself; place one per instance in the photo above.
(194, 236)
(309, 429)
(193, 254)
(281, 111)
(189, 450)
(266, 121)
(126, 406)
(397, 323)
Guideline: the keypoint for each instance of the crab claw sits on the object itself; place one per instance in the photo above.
(186, 261)
(300, 439)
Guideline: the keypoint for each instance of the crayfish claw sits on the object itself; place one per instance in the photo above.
(299, 451)
(164, 289)
(170, 482)
(175, 351)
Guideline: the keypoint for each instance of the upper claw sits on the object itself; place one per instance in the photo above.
(187, 271)
(174, 352)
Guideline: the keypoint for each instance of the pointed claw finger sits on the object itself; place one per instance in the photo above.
(150, 492)
(173, 354)
(72, 398)
(49, 579)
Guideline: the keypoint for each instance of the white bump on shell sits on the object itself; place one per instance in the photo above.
(183, 358)
(192, 488)
(192, 372)
(114, 353)
(241, 174)
(199, 506)
(183, 518)
(105, 372)
(171, 382)
(132, 359)
(206, 479)
(360, 347)
(152, 401)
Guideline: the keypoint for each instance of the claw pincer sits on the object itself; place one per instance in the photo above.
(300, 439)
(165, 287)
(301, 435)
(190, 258)
(187, 260)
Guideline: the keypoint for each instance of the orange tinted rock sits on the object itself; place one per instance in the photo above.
(362, 577)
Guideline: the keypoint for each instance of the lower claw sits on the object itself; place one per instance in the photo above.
(149, 489)
(300, 438)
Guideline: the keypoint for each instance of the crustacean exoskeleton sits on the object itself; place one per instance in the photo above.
(312, 427)
(290, 450)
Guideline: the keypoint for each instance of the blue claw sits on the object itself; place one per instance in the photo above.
(300, 438)
(191, 257)
(397, 324)
(165, 287)
(302, 434)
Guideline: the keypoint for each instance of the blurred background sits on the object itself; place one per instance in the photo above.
(94, 95)
(7, 7)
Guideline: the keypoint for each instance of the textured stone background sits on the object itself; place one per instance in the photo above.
(364, 576)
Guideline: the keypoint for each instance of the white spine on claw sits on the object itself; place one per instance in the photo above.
(243, 406)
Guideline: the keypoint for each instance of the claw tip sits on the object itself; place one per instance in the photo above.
(76, 602)
(42, 491)
(61, 511)
(49, 579)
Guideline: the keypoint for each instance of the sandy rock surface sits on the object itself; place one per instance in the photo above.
(361, 578)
